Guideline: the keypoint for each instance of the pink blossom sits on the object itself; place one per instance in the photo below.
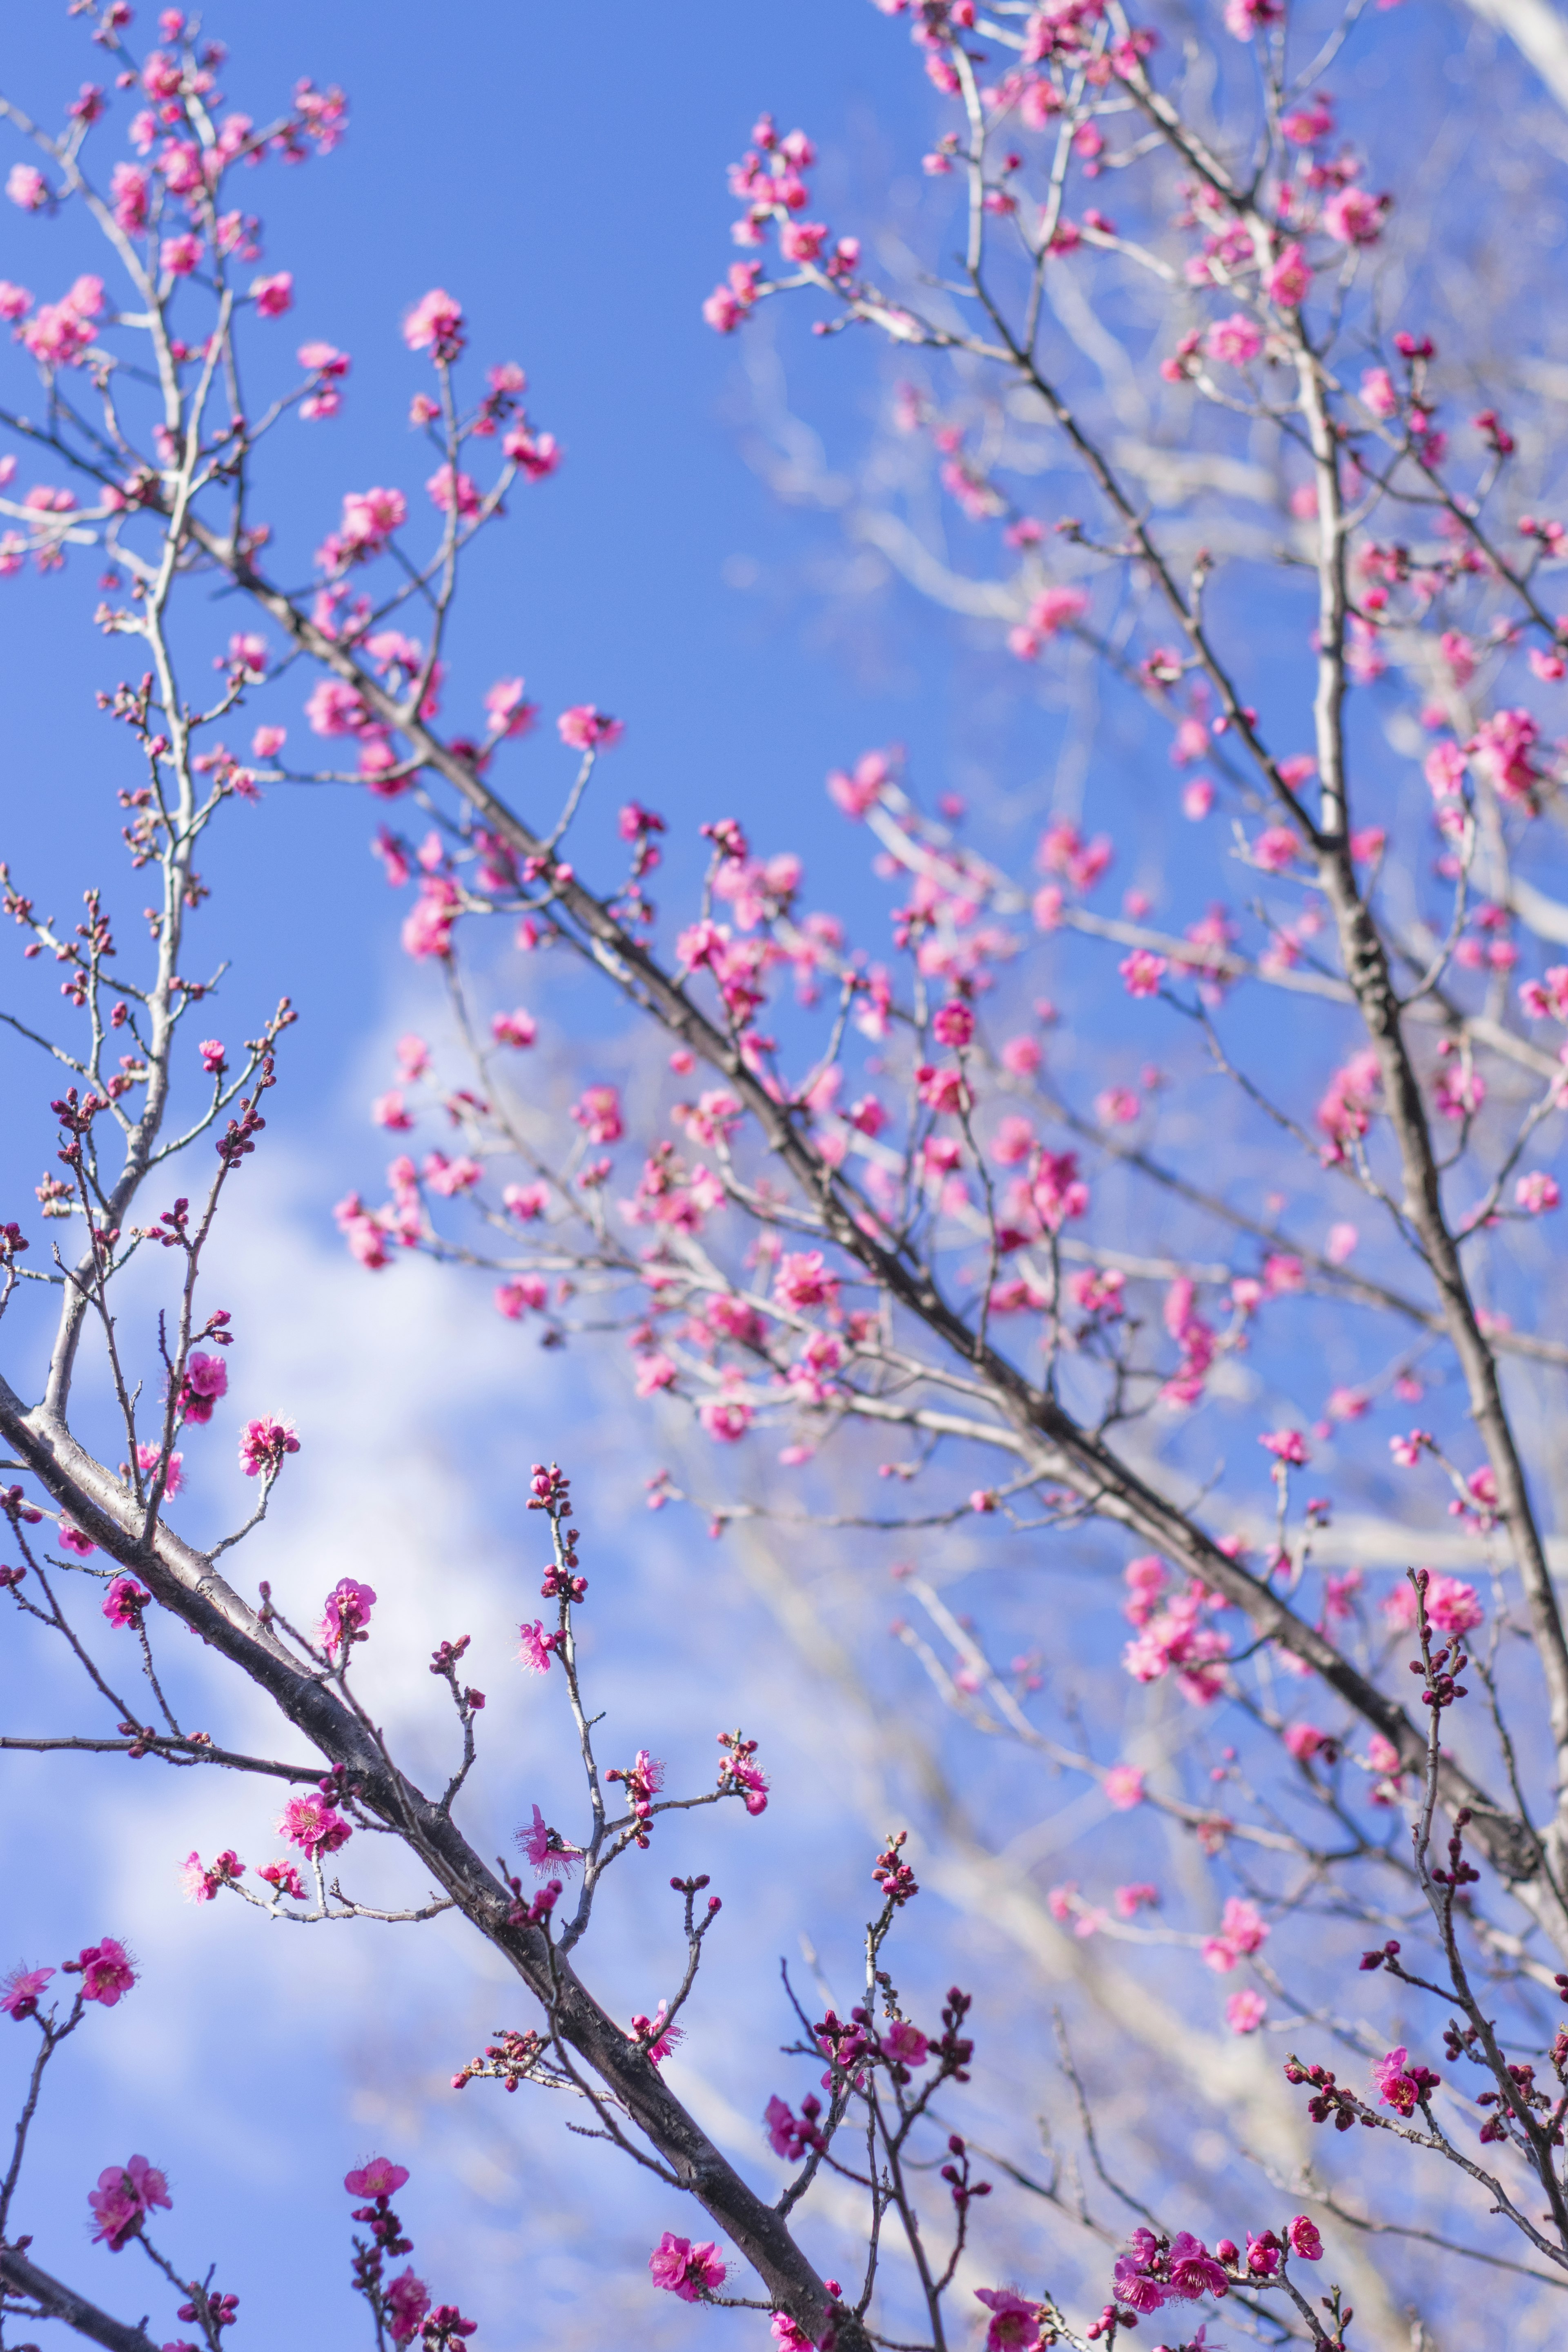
(71, 1538)
(263, 1442)
(513, 1299)
(508, 709)
(547, 1849)
(1191, 2269)
(537, 1646)
(407, 2301)
(452, 491)
(1355, 217)
(726, 1418)
(180, 254)
(1286, 1445)
(1287, 279)
(1303, 1742)
(311, 1823)
(1537, 1193)
(1243, 18)
(1014, 2324)
(1453, 1606)
(1123, 1786)
(1198, 799)
(1235, 340)
(124, 1602)
(1276, 848)
(272, 296)
(20, 1991)
(105, 1971)
(26, 187)
(435, 324)
(514, 1028)
(1141, 972)
(858, 792)
(1241, 1930)
(1245, 2011)
(585, 728)
(379, 2177)
(346, 1614)
(597, 1112)
(680, 2268)
(126, 2195)
(802, 1279)
(389, 1110)
(427, 932)
(1305, 2241)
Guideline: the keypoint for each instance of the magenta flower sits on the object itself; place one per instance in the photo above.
(1123, 1786)
(680, 2268)
(206, 1380)
(547, 1849)
(1305, 2241)
(435, 325)
(660, 2039)
(124, 2195)
(1194, 2271)
(105, 1971)
(1014, 2324)
(585, 728)
(905, 2044)
(272, 296)
(263, 1443)
(1286, 1445)
(537, 1646)
(1245, 2011)
(1135, 2287)
(285, 1878)
(19, 1994)
(346, 1615)
(311, 1823)
(407, 2301)
(71, 1538)
(124, 1602)
(1400, 2085)
(379, 2177)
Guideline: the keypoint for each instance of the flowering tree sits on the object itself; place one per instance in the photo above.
(888, 1213)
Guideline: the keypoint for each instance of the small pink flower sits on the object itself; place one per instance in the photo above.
(1305, 2241)
(311, 1823)
(1014, 2324)
(379, 2177)
(516, 1028)
(346, 1615)
(680, 2268)
(436, 325)
(71, 1538)
(1141, 972)
(1245, 2011)
(124, 1602)
(585, 728)
(26, 187)
(1123, 1786)
(537, 1646)
(19, 1992)
(407, 2301)
(1537, 1193)
(1286, 1445)
(272, 296)
(124, 2195)
(597, 1112)
(857, 792)
(263, 1445)
(1235, 340)
(1355, 217)
(547, 1849)
(105, 1971)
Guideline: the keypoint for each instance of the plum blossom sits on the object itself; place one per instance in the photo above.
(71, 1538)
(407, 2301)
(1235, 340)
(547, 1849)
(346, 1615)
(1245, 2011)
(435, 325)
(105, 1969)
(585, 728)
(1141, 972)
(272, 296)
(263, 1442)
(1014, 2324)
(680, 2268)
(1305, 2241)
(1537, 1193)
(126, 2195)
(311, 1823)
(1123, 1786)
(124, 1602)
(537, 1646)
(1401, 2085)
(858, 792)
(1286, 1445)
(20, 1991)
(26, 187)
(206, 1380)
(1241, 1930)
(379, 2177)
